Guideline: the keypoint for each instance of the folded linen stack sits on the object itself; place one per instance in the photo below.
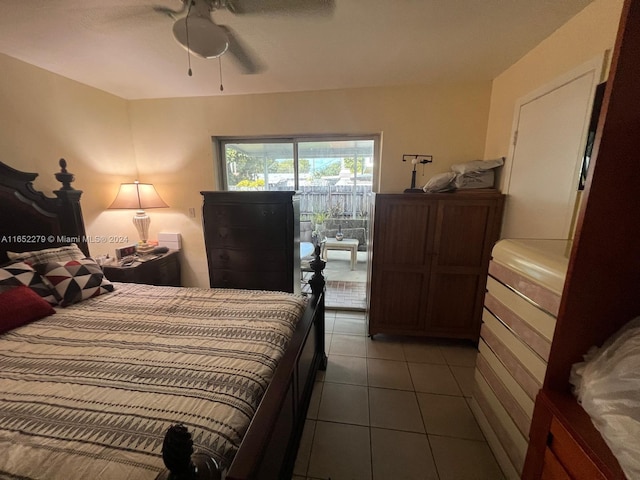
(473, 174)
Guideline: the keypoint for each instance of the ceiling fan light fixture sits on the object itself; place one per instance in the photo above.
(205, 38)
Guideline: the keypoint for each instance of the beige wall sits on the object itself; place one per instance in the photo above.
(582, 38)
(173, 146)
(108, 140)
(46, 117)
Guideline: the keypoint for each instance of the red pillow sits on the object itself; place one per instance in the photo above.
(20, 306)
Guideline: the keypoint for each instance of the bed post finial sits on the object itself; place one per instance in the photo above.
(177, 454)
(64, 177)
(317, 282)
(318, 285)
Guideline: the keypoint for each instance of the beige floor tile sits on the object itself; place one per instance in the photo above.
(401, 456)
(432, 378)
(314, 403)
(353, 345)
(464, 377)
(423, 352)
(340, 451)
(478, 463)
(304, 450)
(350, 314)
(395, 409)
(346, 369)
(345, 404)
(388, 374)
(448, 416)
(329, 322)
(460, 355)
(351, 326)
(385, 348)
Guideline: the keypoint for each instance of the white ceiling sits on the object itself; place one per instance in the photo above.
(124, 47)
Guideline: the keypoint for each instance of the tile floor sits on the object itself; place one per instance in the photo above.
(392, 408)
(346, 288)
(346, 295)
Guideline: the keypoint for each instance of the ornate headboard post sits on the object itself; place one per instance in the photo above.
(71, 220)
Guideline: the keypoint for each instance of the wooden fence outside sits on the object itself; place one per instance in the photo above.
(337, 200)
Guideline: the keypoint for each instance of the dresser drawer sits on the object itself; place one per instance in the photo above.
(247, 260)
(576, 462)
(262, 280)
(235, 215)
(552, 469)
(244, 237)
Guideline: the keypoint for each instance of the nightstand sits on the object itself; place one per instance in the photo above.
(162, 270)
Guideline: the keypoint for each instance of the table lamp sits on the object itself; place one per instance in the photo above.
(139, 196)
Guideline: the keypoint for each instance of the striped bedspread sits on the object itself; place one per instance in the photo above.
(89, 392)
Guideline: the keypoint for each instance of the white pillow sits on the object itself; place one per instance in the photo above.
(484, 179)
(442, 182)
(477, 165)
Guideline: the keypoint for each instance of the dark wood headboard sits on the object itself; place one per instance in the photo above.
(29, 220)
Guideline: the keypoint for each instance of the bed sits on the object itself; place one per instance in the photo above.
(108, 387)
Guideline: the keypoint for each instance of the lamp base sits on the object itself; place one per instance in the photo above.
(144, 248)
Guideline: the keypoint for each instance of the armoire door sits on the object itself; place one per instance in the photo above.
(465, 233)
(403, 243)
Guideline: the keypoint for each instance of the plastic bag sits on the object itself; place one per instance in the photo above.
(442, 182)
(477, 165)
(482, 179)
(607, 385)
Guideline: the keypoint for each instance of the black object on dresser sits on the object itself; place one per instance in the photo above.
(253, 239)
(162, 270)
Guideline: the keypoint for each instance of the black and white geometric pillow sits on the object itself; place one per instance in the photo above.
(20, 273)
(75, 280)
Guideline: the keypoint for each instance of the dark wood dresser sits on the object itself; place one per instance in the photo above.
(253, 240)
(430, 258)
(162, 270)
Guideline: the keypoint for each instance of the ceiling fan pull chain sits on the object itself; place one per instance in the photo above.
(186, 27)
(220, 66)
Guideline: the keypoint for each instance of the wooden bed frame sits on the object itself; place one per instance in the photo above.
(29, 220)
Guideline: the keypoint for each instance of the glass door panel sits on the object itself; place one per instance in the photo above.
(334, 179)
(259, 166)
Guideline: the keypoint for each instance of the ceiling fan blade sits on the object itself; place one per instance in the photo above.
(303, 7)
(242, 54)
(169, 11)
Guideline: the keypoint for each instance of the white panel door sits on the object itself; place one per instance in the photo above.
(550, 129)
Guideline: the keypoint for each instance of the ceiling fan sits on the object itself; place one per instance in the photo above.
(196, 31)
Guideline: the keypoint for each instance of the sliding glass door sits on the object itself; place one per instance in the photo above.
(333, 176)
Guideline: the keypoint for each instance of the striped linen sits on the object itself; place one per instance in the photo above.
(89, 392)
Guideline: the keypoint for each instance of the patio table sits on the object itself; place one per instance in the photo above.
(349, 244)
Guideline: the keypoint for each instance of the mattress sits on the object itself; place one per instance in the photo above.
(542, 260)
(89, 391)
(524, 289)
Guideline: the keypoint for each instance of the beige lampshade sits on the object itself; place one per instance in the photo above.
(139, 196)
